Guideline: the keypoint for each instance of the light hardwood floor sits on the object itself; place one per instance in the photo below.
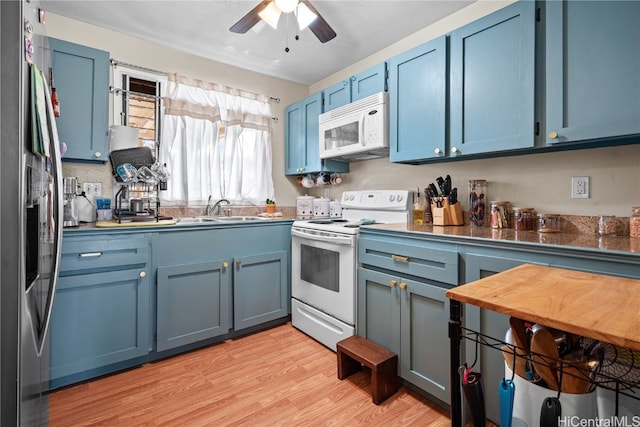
(276, 377)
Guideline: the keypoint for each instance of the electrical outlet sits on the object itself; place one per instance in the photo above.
(580, 187)
(92, 189)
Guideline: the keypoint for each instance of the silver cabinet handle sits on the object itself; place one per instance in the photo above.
(455, 150)
(143, 274)
(89, 254)
(553, 135)
(98, 154)
(437, 151)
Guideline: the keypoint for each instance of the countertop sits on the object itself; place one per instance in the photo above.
(564, 299)
(620, 244)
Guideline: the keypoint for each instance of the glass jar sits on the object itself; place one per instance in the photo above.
(549, 223)
(634, 222)
(524, 219)
(607, 225)
(500, 214)
(477, 201)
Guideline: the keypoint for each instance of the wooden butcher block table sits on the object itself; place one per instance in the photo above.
(601, 307)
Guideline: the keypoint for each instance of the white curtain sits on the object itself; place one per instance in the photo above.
(216, 141)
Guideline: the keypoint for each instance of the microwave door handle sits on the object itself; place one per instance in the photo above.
(361, 130)
(339, 240)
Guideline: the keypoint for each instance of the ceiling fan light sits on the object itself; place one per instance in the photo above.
(287, 6)
(305, 16)
(271, 15)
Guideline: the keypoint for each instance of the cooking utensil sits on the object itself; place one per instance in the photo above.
(433, 191)
(575, 377)
(544, 357)
(521, 337)
(474, 394)
(551, 412)
(447, 186)
(506, 390)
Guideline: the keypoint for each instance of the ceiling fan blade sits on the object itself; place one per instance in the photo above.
(250, 19)
(319, 26)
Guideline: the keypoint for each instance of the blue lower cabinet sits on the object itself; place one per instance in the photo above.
(259, 289)
(98, 320)
(192, 303)
(399, 314)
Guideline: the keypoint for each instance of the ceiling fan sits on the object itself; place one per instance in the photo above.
(270, 11)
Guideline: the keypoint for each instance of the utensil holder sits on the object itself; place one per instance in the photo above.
(446, 214)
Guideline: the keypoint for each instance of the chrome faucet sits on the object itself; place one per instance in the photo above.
(209, 210)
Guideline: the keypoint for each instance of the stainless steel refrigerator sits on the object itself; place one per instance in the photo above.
(30, 213)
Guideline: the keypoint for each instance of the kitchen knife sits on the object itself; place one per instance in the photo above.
(447, 186)
(440, 183)
(433, 192)
(453, 196)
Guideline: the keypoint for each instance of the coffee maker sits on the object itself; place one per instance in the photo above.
(70, 192)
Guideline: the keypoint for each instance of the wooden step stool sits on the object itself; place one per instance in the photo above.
(355, 350)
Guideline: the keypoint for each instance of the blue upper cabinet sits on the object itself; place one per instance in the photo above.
(492, 82)
(361, 85)
(81, 76)
(417, 93)
(592, 70)
(302, 139)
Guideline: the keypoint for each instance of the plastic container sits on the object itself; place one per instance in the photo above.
(524, 219)
(500, 214)
(478, 202)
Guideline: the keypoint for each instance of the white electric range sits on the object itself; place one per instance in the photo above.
(324, 262)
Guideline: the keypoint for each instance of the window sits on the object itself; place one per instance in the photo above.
(138, 103)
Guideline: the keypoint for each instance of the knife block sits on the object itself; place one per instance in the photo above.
(447, 214)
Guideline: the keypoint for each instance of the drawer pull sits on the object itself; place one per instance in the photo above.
(225, 264)
(143, 274)
(238, 263)
(400, 258)
(90, 254)
(393, 283)
(403, 285)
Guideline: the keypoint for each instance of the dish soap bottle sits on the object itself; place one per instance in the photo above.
(418, 210)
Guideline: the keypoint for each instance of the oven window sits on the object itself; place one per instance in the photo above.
(320, 267)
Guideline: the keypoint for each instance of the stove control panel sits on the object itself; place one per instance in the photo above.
(377, 200)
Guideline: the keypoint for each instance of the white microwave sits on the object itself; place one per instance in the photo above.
(356, 131)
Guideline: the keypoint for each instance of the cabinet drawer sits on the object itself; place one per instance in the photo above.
(433, 263)
(93, 254)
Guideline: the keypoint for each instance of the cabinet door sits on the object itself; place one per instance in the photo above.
(192, 302)
(302, 139)
(81, 76)
(294, 140)
(379, 308)
(369, 82)
(337, 95)
(592, 69)
(259, 289)
(417, 96)
(424, 337)
(492, 82)
(97, 320)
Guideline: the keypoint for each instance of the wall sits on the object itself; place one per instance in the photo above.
(542, 181)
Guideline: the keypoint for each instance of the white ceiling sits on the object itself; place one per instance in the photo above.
(202, 28)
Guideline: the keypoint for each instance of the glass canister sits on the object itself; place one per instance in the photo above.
(634, 222)
(477, 201)
(500, 214)
(549, 223)
(524, 218)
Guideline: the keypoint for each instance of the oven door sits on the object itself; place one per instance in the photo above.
(323, 271)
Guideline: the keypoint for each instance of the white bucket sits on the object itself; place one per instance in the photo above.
(627, 406)
(529, 397)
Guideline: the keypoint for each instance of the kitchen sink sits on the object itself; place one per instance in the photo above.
(194, 220)
(216, 219)
(239, 218)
